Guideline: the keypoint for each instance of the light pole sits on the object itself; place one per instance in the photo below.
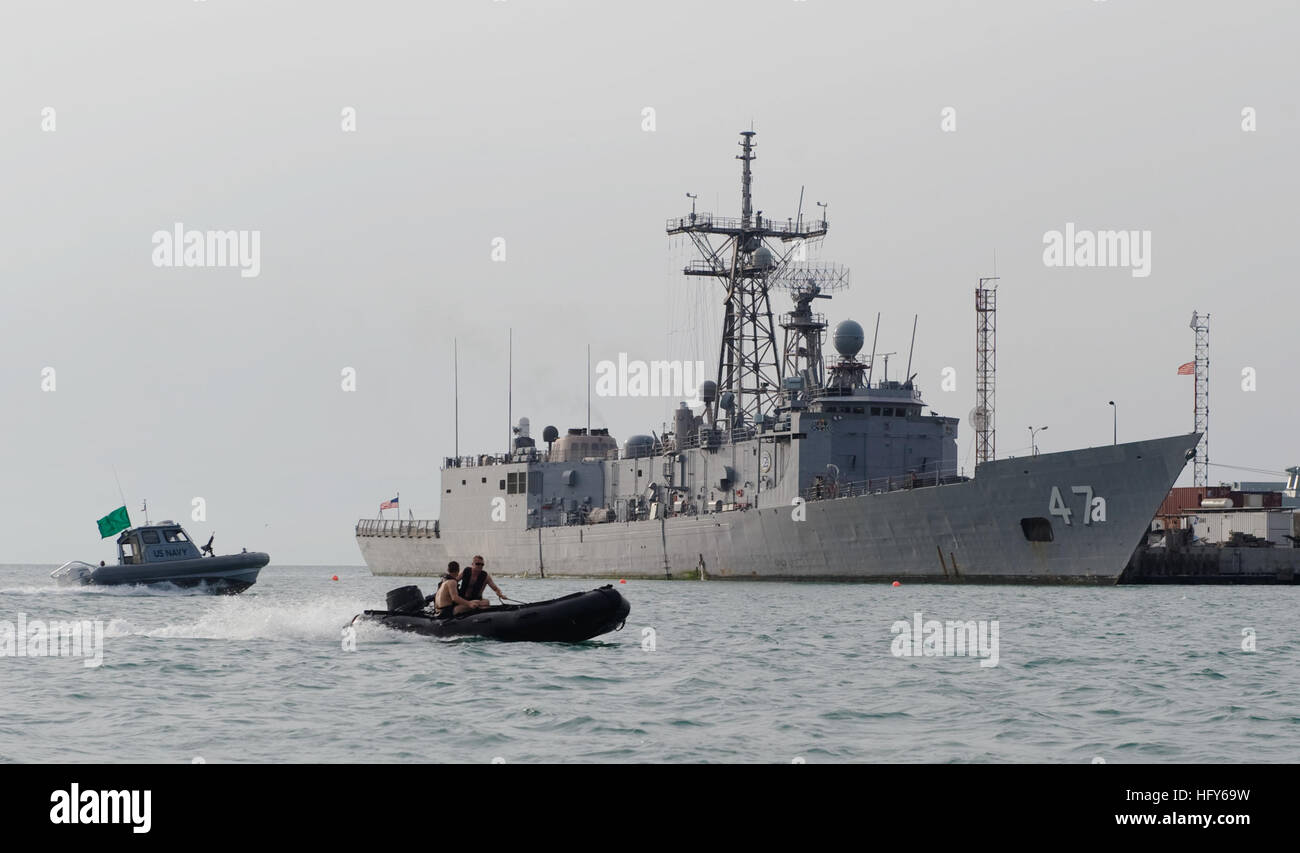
(1033, 431)
(1115, 420)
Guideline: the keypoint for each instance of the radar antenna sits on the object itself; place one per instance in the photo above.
(805, 328)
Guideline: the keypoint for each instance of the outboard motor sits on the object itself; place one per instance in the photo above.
(73, 571)
(405, 599)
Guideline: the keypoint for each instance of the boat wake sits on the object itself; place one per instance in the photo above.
(124, 591)
(318, 621)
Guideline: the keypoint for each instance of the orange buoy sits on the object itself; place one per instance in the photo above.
(622, 581)
(336, 577)
(896, 583)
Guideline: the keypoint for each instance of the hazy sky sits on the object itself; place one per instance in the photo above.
(524, 120)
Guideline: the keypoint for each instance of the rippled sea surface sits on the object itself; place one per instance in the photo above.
(738, 672)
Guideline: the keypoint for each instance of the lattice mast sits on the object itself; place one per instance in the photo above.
(750, 251)
(1201, 405)
(986, 367)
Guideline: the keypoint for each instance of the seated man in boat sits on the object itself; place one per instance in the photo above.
(473, 579)
(447, 601)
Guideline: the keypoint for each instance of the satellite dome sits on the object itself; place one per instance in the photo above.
(550, 434)
(848, 338)
(637, 446)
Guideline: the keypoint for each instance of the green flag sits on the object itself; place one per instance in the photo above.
(115, 522)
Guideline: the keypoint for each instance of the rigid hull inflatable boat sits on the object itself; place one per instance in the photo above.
(163, 554)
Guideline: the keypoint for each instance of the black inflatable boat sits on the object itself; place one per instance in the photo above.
(570, 619)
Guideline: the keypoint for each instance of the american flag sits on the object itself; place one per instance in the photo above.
(1188, 369)
(389, 504)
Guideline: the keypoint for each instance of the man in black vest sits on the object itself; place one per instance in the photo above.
(474, 578)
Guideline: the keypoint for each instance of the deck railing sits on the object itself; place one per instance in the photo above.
(785, 227)
(418, 529)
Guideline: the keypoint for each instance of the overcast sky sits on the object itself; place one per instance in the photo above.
(524, 120)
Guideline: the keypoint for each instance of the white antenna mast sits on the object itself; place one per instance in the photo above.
(510, 395)
(455, 371)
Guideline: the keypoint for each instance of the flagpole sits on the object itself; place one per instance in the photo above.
(119, 485)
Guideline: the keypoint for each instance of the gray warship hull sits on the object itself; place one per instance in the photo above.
(1008, 524)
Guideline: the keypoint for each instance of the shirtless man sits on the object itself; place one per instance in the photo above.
(447, 600)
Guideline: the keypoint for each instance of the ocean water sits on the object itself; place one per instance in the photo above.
(733, 672)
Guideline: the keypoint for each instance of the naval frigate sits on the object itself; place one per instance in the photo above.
(790, 466)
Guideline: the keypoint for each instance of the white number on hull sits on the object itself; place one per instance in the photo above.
(1086, 491)
(1094, 508)
(1056, 506)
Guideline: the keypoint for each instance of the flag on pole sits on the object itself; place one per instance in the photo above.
(115, 522)
(1188, 369)
(389, 504)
